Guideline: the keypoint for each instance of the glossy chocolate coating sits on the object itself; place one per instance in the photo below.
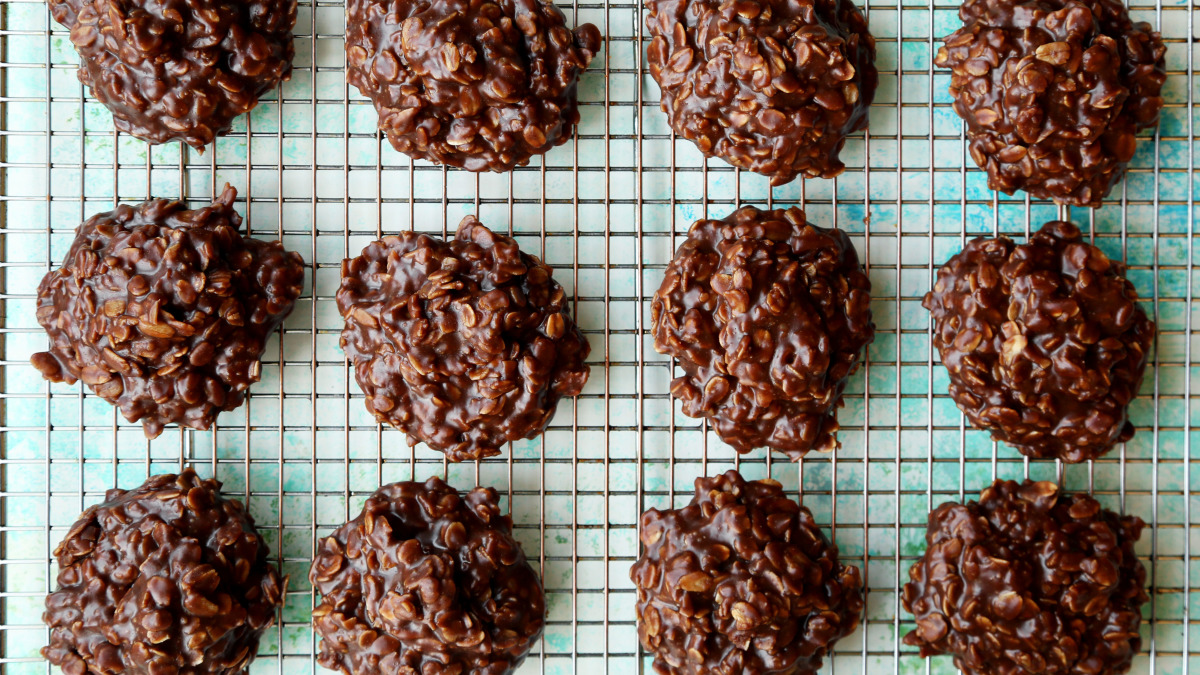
(1053, 93)
(428, 581)
(478, 84)
(1045, 342)
(464, 344)
(1029, 580)
(165, 311)
(168, 578)
(768, 316)
(773, 86)
(174, 70)
(741, 581)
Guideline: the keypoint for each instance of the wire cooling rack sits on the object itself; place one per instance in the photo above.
(606, 210)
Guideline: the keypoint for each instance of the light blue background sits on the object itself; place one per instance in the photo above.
(606, 211)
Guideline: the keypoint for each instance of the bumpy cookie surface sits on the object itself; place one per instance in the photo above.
(428, 581)
(478, 84)
(1053, 93)
(773, 86)
(174, 70)
(768, 316)
(741, 581)
(1045, 342)
(168, 578)
(464, 344)
(1029, 580)
(164, 311)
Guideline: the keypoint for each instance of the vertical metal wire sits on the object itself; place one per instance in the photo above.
(672, 233)
(930, 280)
(348, 369)
(1152, 576)
(1123, 450)
(995, 232)
(248, 224)
(1187, 354)
(866, 367)
(962, 424)
(49, 408)
(640, 330)
(5, 469)
(605, 522)
(542, 455)
(314, 264)
(160, 169)
(279, 447)
(575, 558)
(509, 459)
(833, 456)
(898, 577)
(82, 215)
(116, 199)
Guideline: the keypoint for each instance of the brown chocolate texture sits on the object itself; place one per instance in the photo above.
(164, 311)
(768, 316)
(173, 70)
(169, 578)
(479, 84)
(1053, 93)
(741, 581)
(464, 344)
(1045, 342)
(1029, 580)
(426, 580)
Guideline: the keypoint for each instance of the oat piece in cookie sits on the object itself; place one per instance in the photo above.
(1045, 342)
(1029, 580)
(464, 344)
(772, 86)
(1053, 93)
(164, 311)
(426, 580)
(741, 581)
(768, 316)
(168, 578)
(479, 84)
(171, 70)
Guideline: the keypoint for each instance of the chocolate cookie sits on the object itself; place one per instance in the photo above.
(171, 70)
(772, 86)
(741, 581)
(768, 316)
(464, 345)
(478, 85)
(1045, 342)
(1053, 93)
(426, 581)
(168, 578)
(165, 312)
(1029, 580)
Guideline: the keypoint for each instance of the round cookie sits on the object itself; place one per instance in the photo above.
(1029, 580)
(1045, 342)
(168, 578)
(171, 70)
(741, 581)
(772, 86)
(426, 580)
(464, 344)
(479, 85)
(165, 312)
(768, 316)
(1053, 93)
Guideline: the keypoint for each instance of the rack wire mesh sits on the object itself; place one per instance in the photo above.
(606, 211)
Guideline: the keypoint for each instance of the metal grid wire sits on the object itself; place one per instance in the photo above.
(606, 210)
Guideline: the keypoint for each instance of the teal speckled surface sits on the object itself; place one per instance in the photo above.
(602, 211)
